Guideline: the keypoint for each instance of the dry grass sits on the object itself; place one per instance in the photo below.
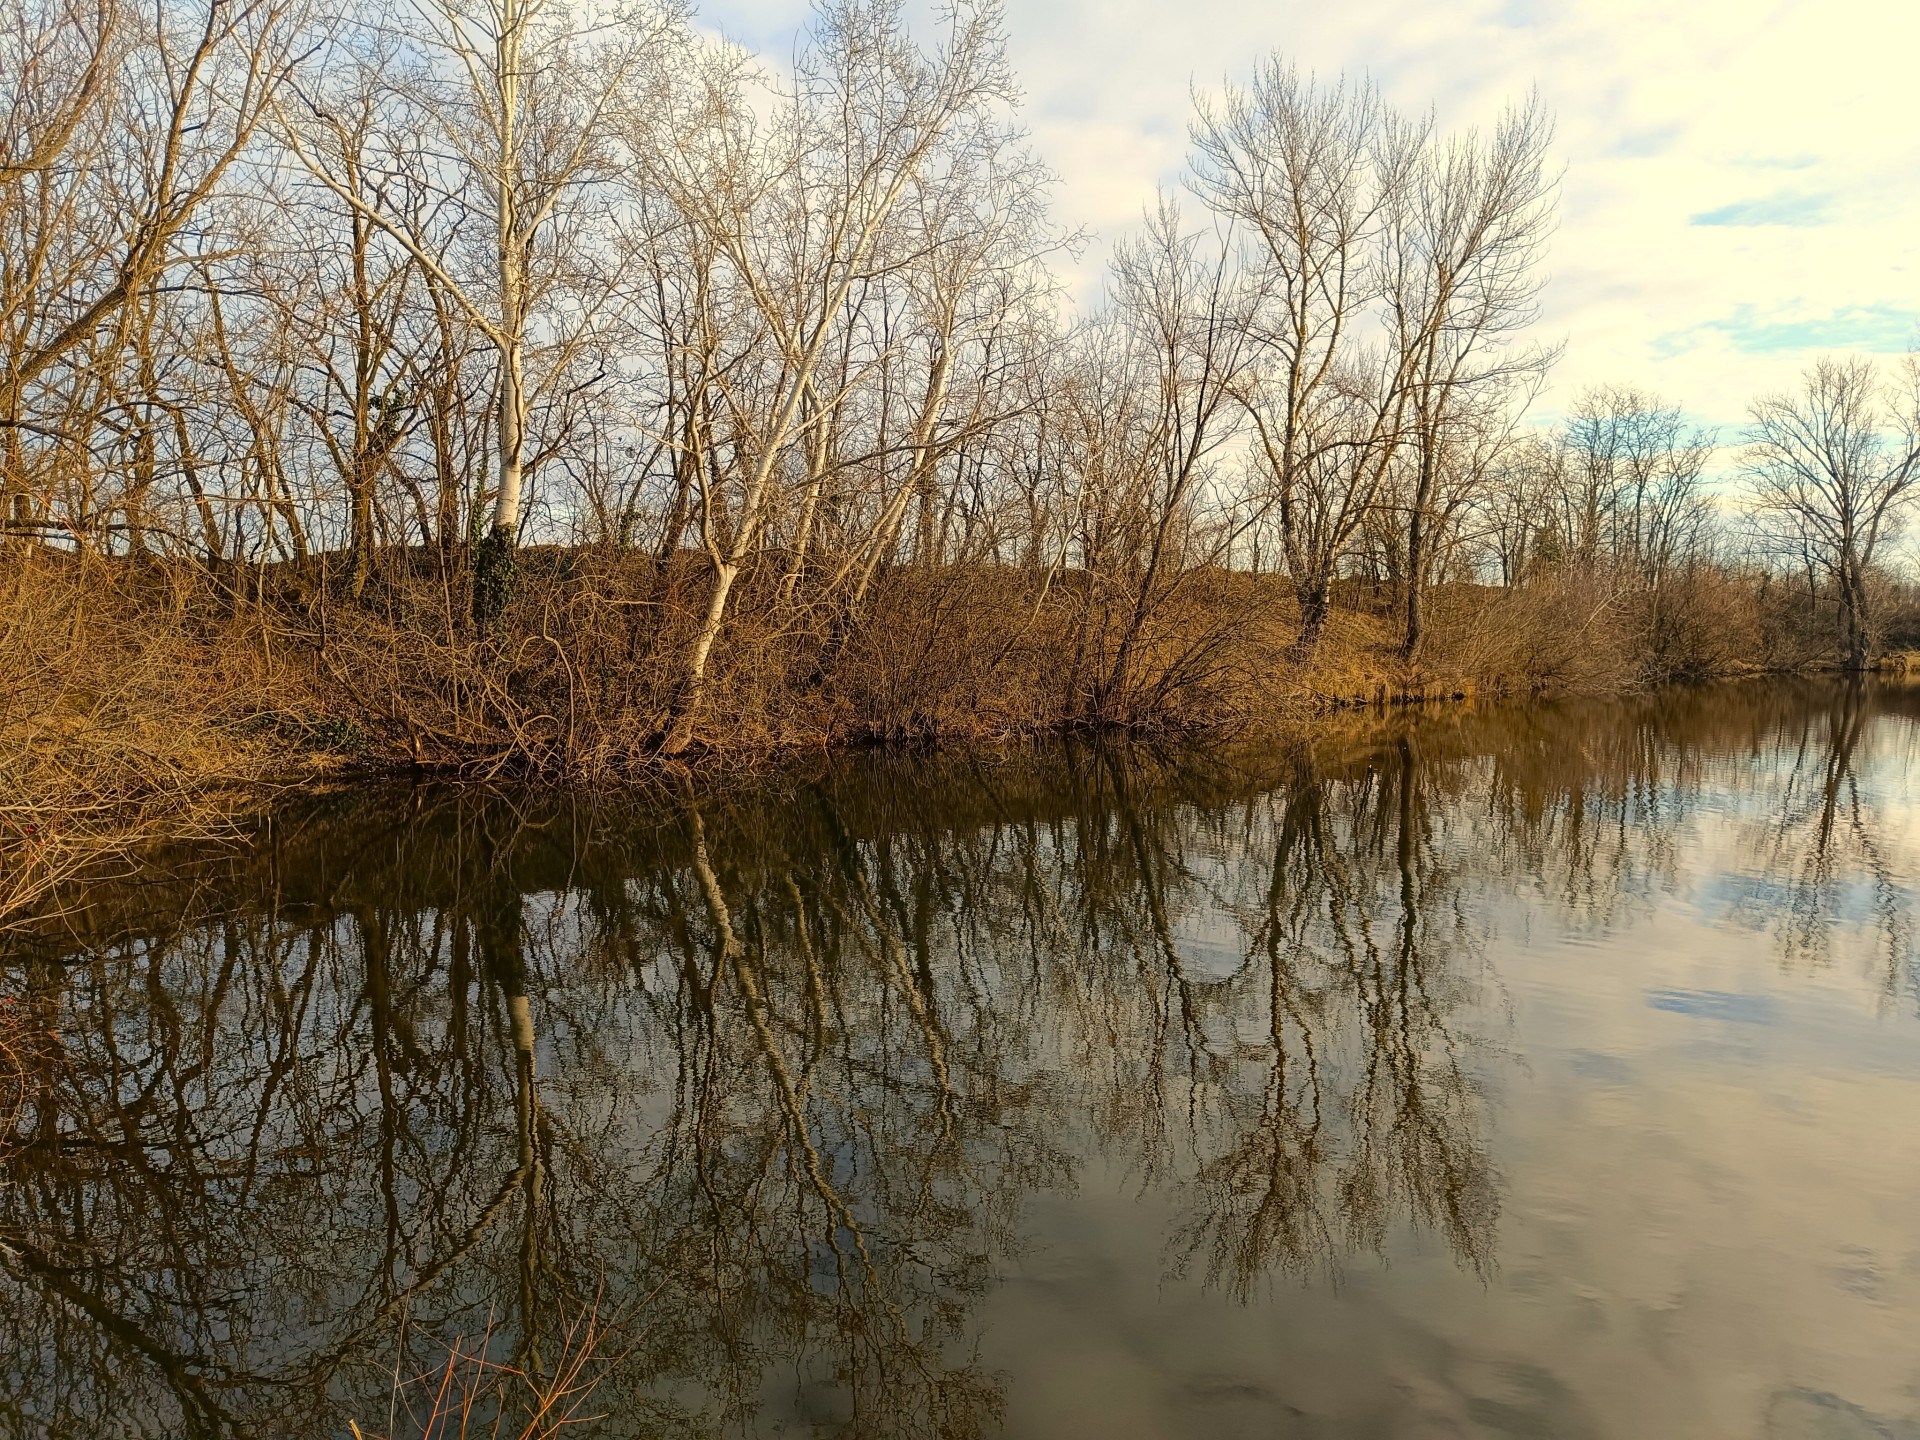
(581, 677)
(126, 697)
(134, 691)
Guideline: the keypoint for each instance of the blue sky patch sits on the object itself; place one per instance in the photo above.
(1875, 329)
(1768, 210)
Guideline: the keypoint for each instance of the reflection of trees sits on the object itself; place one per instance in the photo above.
(1835, 848)
(1362, 1110)
(776, 1076)
(1593, 805)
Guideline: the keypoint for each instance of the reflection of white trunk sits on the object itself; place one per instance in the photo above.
(526, 1112)
(520, 1016)
(791, 1097)
(525, 1103)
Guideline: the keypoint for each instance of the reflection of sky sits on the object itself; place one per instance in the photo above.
(1696, 1077)
(1709, 1142)
(1714, 1005)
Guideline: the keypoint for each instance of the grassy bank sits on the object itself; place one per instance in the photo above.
(134, 694)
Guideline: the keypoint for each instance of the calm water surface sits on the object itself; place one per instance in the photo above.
(1534, 1072)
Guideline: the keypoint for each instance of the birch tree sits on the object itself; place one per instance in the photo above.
(526, 101)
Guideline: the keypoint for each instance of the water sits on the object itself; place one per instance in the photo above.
(1548, 1071)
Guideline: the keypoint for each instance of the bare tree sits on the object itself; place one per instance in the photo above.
(803, 213)
(118, 135)
(1836, 466)
(1637, 468)
(1306, 173)
(1465, 238)
(1182, 312)
(526, 99)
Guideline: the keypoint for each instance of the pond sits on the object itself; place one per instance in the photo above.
(1474, 1071)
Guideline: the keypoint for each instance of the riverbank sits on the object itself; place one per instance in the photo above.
(136, 695)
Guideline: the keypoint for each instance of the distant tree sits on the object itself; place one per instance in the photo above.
(1634, 483)
(1834, 468)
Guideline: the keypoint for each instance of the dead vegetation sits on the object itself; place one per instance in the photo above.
(471, 1395)
(755, 431)
(135, 689)
(129, 697)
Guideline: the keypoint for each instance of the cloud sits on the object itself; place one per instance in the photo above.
(1738, 176)
(1658, 140)
(1773, 210)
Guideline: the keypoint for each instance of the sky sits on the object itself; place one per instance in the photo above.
(1742, 177)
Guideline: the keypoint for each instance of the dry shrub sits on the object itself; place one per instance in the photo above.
(1699, 625)
(469, 1395)
(124, 692)
(1567, 632)
(1357, 662)
(951, 653)
(577, 680)
(580, 678)
(995, 651)
(129, 685)
(1595, 631)
(120, 679)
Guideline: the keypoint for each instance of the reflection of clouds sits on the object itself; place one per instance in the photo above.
(1211, 945)
(1714, 1005)
(1811, 1415)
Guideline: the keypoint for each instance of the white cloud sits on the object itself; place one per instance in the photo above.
(1739, 191)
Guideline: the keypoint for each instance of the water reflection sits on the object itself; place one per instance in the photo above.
(776, 1076)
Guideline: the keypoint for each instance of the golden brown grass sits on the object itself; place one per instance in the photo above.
(129, 690)
(125, 700)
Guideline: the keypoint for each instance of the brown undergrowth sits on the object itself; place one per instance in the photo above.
(127, 702)
(134, 689)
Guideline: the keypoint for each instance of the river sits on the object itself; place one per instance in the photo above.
(1547, 1070)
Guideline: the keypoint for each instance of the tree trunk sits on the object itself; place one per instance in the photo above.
(1416, 586)
(1419, 543)
(1853, 597)
(1314, 596)
(494, 560)
(360, 542)
(693, 689)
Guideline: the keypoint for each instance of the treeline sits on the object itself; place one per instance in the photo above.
(514, 383)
